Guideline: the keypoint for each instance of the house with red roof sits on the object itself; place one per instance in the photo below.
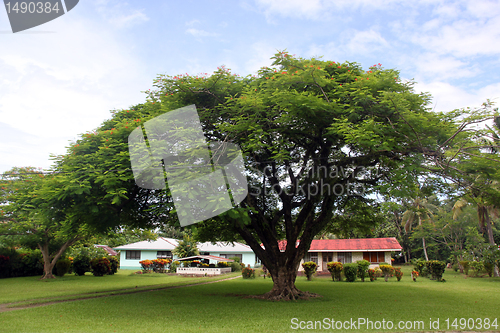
(375, 250)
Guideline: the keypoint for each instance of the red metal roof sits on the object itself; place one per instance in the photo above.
(361, 244)
(349, 245)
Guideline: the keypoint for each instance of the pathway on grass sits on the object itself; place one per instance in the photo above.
(70, 298)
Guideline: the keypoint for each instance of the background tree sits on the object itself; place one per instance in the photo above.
(187, 247)
(34, 213)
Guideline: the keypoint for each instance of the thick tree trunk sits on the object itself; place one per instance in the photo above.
(284, 286)
(48, 265)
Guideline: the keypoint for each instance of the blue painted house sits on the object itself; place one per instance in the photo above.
(162, 247)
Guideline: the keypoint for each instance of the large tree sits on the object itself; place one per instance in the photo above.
(37, 213)
(318, 138)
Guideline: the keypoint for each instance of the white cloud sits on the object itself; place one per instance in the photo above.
(447, 97)
(200, 33)
(444, 67)
(55, 86)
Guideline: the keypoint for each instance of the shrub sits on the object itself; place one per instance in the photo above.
(335, 269)
(398, 273)
(455, 267)
(489, 267)
(414, 275)
(173, 267)
(82, 256)
(114, 264)
(186, 263)
(388, 270)
(465, 265)
(248, 273)
(362, 268)
(477, 267)
(235, 266)
(436, 269)
(371, 274)
(309, 269)
(421, 267)
(350, 272)
(147, 265)
(62, 267)
(100, 266)
(236, 259)
(222, 264)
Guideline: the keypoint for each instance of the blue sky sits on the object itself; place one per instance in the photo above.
(62, 78)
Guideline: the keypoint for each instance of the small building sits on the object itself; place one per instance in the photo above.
(162, 247)
(374, 250)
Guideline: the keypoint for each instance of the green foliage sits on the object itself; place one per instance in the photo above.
(465, 265)
(187, 247)
(173, 267)
(309, 269)
(100, 266)
(114, 264)
(421, 267)
(350, 272)
(436, 268)
(362, 268)
(235, 266)
(248, 273)
(335, 269)
(477, 268)
(82, 256)
(62, 267)
(20, 262)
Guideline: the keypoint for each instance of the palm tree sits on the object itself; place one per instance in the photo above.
(420, 211)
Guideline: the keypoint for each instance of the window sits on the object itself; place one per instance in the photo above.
(163, 254)
(344, 257)
(374, 257)
(135, 255)
(231, 255)
(311, 256)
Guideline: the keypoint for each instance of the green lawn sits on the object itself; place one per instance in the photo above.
(220, 307)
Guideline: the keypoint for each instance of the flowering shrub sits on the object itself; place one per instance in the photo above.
(160, 264)
(372, 274)
(388, 270)
(222, 264)
(414, 275)
(398, 273)
(248, 273)
(335, 269)
(147, 265)
(309, 269)
(100, 266)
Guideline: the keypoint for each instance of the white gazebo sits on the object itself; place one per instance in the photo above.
(204, 270)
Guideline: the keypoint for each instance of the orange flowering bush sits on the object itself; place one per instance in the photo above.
(147, 265)
(398, 273)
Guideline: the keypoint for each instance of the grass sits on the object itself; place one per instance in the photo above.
(221, 307)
